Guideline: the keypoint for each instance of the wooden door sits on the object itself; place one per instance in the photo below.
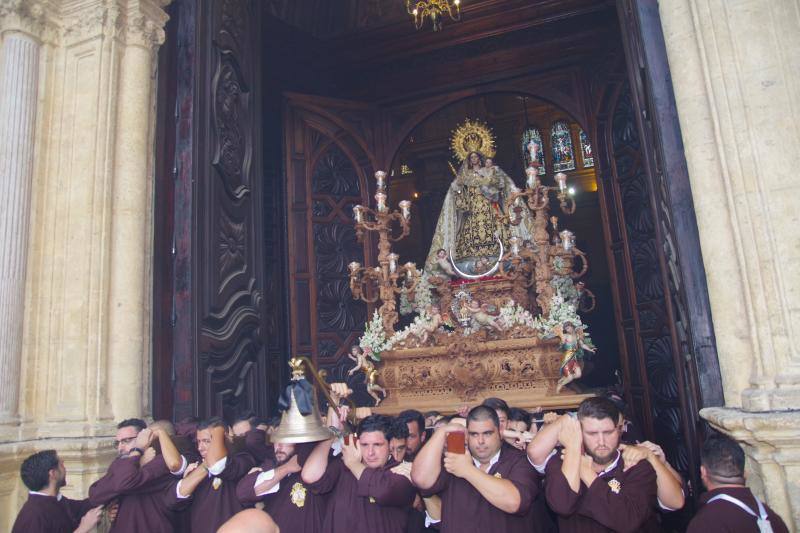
(663, 315)
(330, 160)
(214, 327)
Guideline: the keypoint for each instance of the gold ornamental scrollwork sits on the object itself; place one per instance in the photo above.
(472, 136)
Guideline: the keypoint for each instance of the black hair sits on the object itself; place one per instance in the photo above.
(246, 416)
(274, 421)
(431, 413)
(35, 470)
(411, 415)
(213, 422)
(483, 412)
(722, 457)
(380, 423)
(519, 415)
(498, 404)
(599, 408)
(399, 429)
(138, 423)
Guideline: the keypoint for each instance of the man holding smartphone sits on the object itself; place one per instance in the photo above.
(466, 482)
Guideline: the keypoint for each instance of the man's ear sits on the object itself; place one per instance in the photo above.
(703, 472)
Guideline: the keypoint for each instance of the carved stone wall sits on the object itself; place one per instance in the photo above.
(736, 83)
(85, 341)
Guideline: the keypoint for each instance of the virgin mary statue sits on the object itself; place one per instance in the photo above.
(470, 224)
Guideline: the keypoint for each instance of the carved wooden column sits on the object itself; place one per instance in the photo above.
(19, 67)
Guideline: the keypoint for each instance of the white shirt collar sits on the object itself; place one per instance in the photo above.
(58, 496)
(217, 468)
(492, 461)
(612, 465)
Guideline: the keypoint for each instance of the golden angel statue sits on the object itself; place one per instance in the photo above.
(365, 365)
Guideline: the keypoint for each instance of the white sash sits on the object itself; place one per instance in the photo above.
(761, 518)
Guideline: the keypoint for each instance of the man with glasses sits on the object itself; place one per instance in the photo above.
(127, 430)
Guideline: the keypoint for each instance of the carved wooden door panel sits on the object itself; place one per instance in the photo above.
(663, 315)
(330, 162)
(228, 294)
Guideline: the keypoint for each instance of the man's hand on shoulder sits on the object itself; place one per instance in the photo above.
(403, 469)
(90, 520)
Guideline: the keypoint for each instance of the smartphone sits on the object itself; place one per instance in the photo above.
(456, 442)
(347, 440)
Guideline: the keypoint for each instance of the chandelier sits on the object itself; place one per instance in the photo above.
(433, 9)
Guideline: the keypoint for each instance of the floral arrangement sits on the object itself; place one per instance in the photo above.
(416, 328)
(373, 342)
(512, 314)
(561, 311)
(422, 297)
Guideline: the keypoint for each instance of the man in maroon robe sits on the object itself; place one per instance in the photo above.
(46, 510)
(589, 488)
(137, 480)
(208, 488)
(368, 491)
(487, 488)
(729, 505)
(254, 433)
(278, 485)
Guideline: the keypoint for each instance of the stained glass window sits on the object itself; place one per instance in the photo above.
(586, 150)
(532, 135)
(561, 141)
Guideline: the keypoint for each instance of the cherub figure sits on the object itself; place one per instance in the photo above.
(573, 343)
(443, 263)
(480, 315)
(364, 364)
(482, 265)
(434, 312)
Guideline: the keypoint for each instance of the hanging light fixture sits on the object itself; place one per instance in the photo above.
(433, 9)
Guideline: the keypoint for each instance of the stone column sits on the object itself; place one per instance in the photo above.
(131, 234)
(19, 68)
(86, 300)
(736, 76)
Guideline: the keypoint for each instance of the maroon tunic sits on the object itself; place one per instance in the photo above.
(378, 502)
(727, 517)
(209, 508)
(293, 507)
(48, 514)
(140, 492)
(616, 501)
(255, 441)
(464, 509)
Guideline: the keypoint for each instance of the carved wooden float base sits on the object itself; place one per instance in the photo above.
(524, 372)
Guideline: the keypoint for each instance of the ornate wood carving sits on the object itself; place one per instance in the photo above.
(328, 170)
(220, 287)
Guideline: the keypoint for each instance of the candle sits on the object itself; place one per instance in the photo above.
(567, 240)
(381, 199)
(561, 178)
(393, 263)
(533, 178)
(405, 207)
(380, 177)
(358, 214)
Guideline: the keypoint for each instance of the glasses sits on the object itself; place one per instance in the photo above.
(124, 441)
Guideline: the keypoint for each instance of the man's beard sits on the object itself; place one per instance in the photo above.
(602, 459)
(62, 482)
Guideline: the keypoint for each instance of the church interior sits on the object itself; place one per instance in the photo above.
(219, 233)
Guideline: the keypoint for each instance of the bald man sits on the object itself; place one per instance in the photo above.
(249, 521)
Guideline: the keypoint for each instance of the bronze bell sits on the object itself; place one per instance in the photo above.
(295, 427)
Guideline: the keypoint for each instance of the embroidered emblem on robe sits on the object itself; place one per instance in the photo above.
(497, 475)
(614, 485)
(371, 499)
(217, 483)
(298, 494)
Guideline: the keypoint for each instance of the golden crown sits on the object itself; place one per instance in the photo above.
(472, 136)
